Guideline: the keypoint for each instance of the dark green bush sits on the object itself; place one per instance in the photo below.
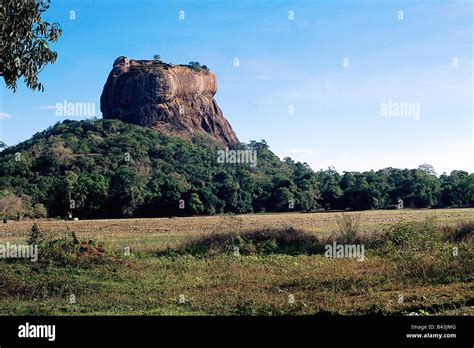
(267, 241)
(463, 231)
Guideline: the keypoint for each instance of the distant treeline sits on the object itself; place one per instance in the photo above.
(106, 168)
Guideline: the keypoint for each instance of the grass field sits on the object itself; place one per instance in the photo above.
(159, 279)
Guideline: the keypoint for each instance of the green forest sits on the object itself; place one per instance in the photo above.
(106, 169)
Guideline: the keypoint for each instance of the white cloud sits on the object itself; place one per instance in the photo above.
(4, 116)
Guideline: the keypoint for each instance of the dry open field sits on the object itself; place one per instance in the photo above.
(151, 282)
(161, 232)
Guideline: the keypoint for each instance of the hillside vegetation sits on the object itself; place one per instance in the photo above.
(106, 168)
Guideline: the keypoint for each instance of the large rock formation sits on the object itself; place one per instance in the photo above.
(173, 99)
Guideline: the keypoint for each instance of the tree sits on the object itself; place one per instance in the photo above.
(194, 65)
(329, 185)
(425, 189)
(197, 66)
(39, 211)
(283, 199)
(457, 189)
(427, 168)
(24, 49)
(195, 204)
(13, 206)
(468, 183)
(128, 191)
(157, 57)
(166, 176)
(357, 192)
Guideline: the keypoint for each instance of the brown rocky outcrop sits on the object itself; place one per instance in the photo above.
(173, 99)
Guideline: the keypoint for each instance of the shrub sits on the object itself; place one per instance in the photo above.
(348, 228)
(14, 207)
(65, 249)
(461, 232)
(60, 250)
(413, 237)
(267, 241)
(418, 250)
(35, 235)
(39, 211)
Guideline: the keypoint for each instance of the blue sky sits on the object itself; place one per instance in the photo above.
(312, 86)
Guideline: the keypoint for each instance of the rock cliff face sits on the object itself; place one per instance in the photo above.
(172, 99)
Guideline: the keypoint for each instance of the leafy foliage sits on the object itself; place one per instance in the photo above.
(417, 188)
(25, 37)
(197, 66)
(106, 168)
(19, 206)
(112, 169)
